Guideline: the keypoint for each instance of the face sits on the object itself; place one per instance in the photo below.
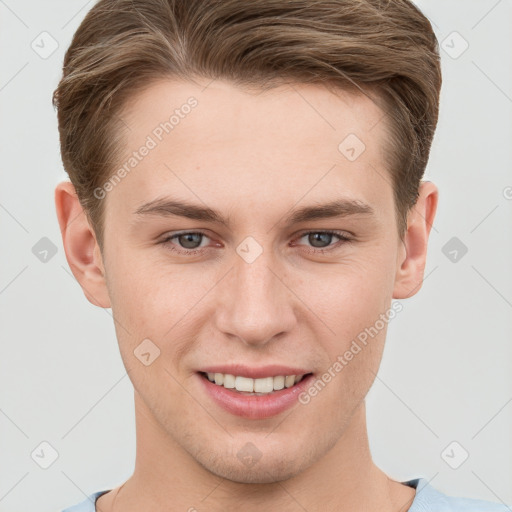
(246, 280)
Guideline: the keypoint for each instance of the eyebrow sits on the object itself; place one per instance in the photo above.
(166, 207)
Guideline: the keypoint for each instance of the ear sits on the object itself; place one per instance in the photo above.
(413, 254)
(79, 240)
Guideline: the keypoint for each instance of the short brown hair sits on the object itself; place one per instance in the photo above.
(386, 47)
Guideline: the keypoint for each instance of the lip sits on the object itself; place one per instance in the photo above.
(255, 407)
(272, 370)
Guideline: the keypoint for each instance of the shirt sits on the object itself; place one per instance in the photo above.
(427, 499)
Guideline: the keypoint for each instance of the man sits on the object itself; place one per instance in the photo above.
(246, 196)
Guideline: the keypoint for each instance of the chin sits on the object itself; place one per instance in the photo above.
(259, 474)
(271, 466)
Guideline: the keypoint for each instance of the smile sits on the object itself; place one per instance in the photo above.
(254, 398)
(255, 387)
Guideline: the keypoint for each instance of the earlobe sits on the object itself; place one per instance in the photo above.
(80, 246)
(413, 254)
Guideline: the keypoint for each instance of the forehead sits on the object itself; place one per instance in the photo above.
(216, 138)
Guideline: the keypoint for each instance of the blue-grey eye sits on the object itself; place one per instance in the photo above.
(187, 240)
(320, 237)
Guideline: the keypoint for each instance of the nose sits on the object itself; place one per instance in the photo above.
(256, 304)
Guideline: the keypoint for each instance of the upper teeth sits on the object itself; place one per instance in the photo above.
(264, 385)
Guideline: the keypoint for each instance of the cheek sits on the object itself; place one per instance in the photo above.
(355, 351)
(353, 294)
(353, 304)
(159, 303)
(146, 290)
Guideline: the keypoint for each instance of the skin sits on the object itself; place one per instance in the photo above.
(253, 157)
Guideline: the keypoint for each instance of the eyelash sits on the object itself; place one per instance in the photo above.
(192, 252)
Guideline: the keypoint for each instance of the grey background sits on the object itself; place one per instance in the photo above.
(446, 374)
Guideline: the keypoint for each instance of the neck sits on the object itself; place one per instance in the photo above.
(344, 479)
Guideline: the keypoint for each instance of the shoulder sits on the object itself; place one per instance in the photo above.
(429, 499)
(87, 505)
